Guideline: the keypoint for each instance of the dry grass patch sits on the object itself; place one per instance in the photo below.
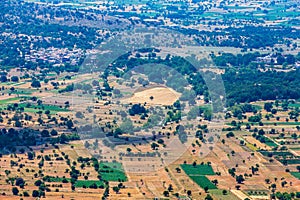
(161, 96)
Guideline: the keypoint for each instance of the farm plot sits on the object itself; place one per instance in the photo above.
(296, 174)
(203, 182)
(112, 171)
(8, 100)
(35, 108)
(197, 170)
(197, 174)
(293, 161)
(266, 140)
(277, 153)
(219, 195)
(78, 183)
(89, 183)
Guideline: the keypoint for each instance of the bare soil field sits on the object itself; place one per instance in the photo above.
(161, 96)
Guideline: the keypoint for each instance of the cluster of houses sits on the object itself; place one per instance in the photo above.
(28, 49)
(272, 59)
(268, 59)
(55, 56)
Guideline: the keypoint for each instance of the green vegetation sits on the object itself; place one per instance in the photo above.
(55, 179)
(6, 101)
(265, 140)
(294, 105)
(51, 108)
(296, 174)
(269, 81)
(78, 183)
(295, 148)
(22, 92)
(88, 183)
(198, 169)
(33, 108)
(219, 194)
(112, 171)
(270, 143)
(197, 174)
(277, 123)
(289, 161)
(203, 182)
(276, 153)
